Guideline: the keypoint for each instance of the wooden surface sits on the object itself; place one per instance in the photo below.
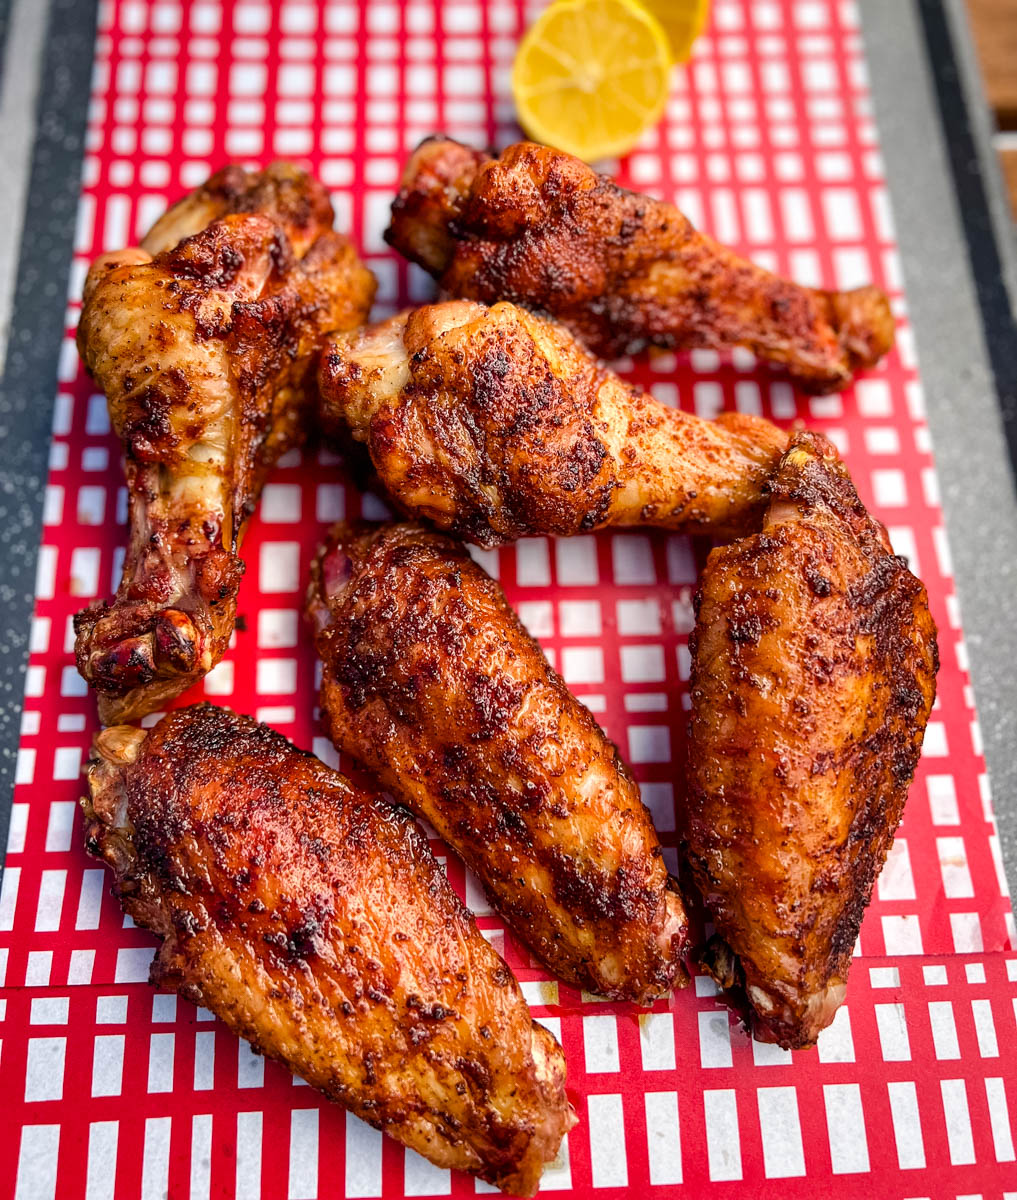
(994, 27)
(1009, 160)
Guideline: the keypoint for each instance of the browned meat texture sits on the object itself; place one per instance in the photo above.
(206, 353)
(282, 192)
(495, 424)
(622, 270)
(313, 919)
(431, 681)
(813, 673)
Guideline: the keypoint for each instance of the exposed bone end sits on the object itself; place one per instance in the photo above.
(119, 746)
(177, 642)
(721, 963)
(435, 185)
(559, 1117)
(791, 1026)
(549, 1063)
(366, 370)
(137, 659)
(129, 662)
(140, 701)
(762, 441)
(282, 190)
(864, 323)
(359, 372)
(774, 1015)
(105, 264)
(674, 936)
(331, 570)
(107, 825)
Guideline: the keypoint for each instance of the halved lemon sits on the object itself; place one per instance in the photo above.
(682, 21)
(591, 76)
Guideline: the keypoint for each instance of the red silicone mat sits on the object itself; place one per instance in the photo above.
(114, 1090)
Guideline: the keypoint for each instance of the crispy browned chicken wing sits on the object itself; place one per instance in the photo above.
(431, 681)
(813, 673)
(312, 918)
(282, 192)
(495, 424)
(621, 270)
(206, 353)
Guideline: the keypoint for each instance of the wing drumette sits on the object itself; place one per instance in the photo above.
(206, 353)
(282, 192)
(621, 270)
(495, 424)
(313, 919)
(813, 673)
(431, 681)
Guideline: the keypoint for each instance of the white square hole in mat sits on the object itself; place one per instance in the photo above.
(277, 676)
(278, 627)
(642, 664)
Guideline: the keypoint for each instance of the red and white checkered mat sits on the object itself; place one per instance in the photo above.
(114, 1090)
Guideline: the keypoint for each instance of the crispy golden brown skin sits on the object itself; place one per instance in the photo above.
(622, 270)
(495, 424)
(207, 354)
(312, 918)
(282, 192)
(431, 681)
(813, 672)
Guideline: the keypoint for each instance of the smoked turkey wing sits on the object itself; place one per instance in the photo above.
(541, 228)
(207, 355)
(431, 681)
(494, 424)
(813, 673)
(312, 918)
